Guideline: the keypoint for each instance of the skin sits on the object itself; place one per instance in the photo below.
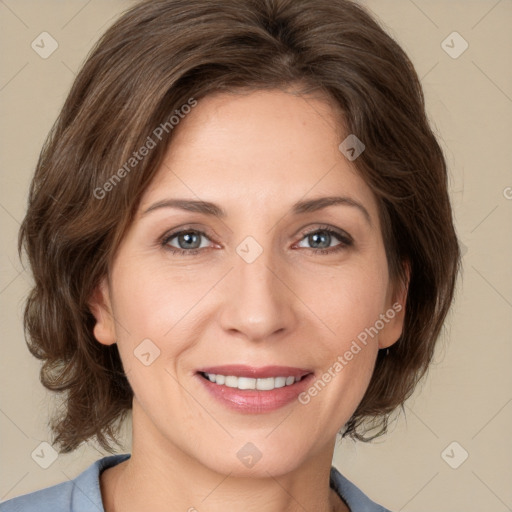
(253, 154)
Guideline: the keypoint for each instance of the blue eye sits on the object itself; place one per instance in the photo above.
(321, 239)
(189, 241)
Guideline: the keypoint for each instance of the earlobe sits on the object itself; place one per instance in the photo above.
(100, 306)
(393, 329)
(395, 313)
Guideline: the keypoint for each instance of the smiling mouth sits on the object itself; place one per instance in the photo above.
(259, 384)
(254, 389)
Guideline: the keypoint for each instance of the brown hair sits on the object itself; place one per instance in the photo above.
(151, 62)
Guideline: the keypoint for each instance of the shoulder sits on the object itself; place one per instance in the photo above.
(352, 495)
(57, 497)
(78, 495)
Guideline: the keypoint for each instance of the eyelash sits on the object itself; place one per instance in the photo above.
(345, 239)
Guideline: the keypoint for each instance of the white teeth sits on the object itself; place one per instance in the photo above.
(280, 382)
(231, 382)
(246, 383)
(266, 384)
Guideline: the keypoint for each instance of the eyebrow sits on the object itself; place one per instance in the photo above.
(300, 207)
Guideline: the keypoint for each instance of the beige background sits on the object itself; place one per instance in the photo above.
(467, 396)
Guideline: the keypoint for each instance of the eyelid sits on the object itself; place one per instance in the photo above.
(168, 235)
(188, 227)
(341, 233)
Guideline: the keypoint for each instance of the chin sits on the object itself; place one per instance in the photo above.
(256, 459)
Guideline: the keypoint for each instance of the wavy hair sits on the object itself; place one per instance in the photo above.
(148, 64)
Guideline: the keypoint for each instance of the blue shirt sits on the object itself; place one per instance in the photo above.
(83, 493)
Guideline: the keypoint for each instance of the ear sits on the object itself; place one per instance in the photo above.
(100, 305)
(395, 313)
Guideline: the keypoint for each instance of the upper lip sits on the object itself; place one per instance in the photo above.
(239, 370)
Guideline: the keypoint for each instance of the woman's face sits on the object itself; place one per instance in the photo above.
(268, 284)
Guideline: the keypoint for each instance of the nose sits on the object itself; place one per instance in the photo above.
(259, 303)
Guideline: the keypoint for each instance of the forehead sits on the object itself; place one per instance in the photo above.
(258, 149)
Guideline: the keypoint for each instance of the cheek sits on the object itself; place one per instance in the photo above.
(153, 299)
(348, 301)
(151, 308)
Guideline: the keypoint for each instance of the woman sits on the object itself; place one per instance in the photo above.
(239, 230)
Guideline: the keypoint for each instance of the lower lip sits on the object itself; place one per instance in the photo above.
(253, 401)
